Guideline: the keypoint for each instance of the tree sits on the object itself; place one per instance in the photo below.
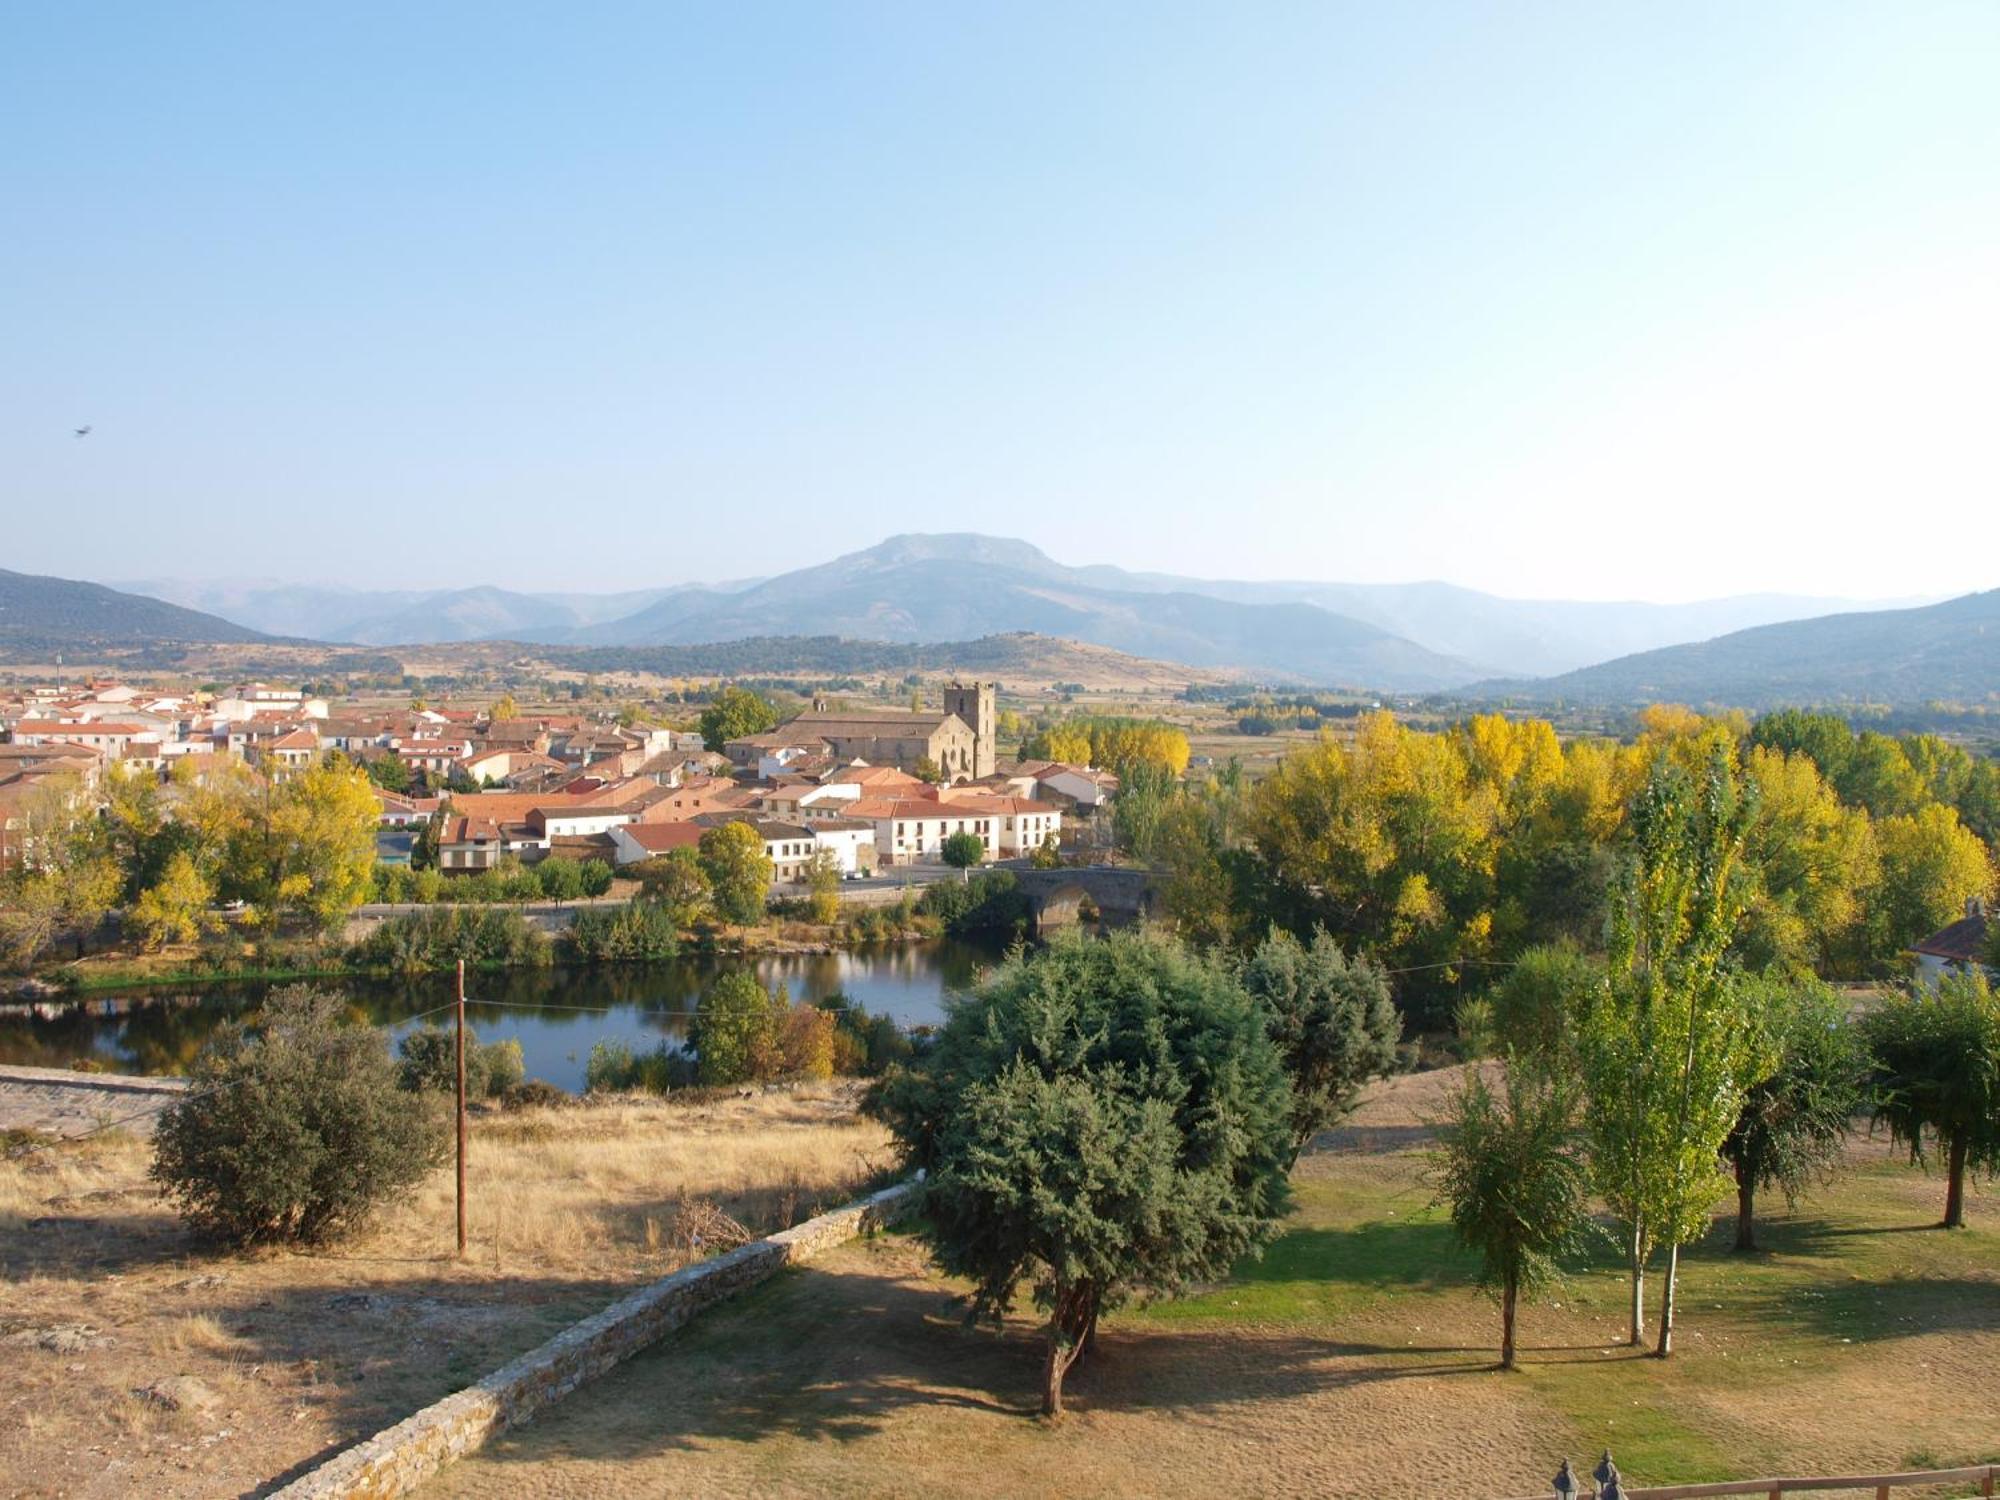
(1809, 862)
(175, 908)
(1047, 855)
(1332, 1022)
(67, 880)
(597, 876)
(388, 772)
(962, 850)
(294, 1130)
(424, 852)
(1541, 1004)
(560, 879)
(738, 871)
(678, 881)
(736, 1028)
(822, 880)
(1103, 1118)
(1145, 795)
(305, 846)
(1794, 1122)
(926, 769)
(1931, 866)
(1936, 1075)
(734, 713)
(1671, 1046)
(1516, 1184)
(503, 707)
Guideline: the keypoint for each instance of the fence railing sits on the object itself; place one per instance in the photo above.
(1611, 1485)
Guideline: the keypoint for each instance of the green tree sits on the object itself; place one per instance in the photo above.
(735, 1028)
(1332, 1021)
(1145, 795)
(67, 879)
(1794, 1122)
(424, 851)
(596, 875)
(1540, 1005)
(1511, 1172)
(735, 713)
(293, 1130)
(1103, 1119)
(560, 879)
(962, 850)
(1671, 1047)
(738, 871)
(926, 769)
(1047, 855)
(1936, 1075)
(388, 772)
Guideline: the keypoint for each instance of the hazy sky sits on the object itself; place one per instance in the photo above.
(1651, 301)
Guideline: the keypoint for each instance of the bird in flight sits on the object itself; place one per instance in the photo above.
(83, 431)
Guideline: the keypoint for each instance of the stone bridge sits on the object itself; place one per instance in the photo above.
(1120, 893)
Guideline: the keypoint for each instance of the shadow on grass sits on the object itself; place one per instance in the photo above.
(825, 1355)
(1886, 1308)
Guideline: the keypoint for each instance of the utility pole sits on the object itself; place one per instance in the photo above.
(461, 1109)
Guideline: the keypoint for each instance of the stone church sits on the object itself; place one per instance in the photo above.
(958, 737)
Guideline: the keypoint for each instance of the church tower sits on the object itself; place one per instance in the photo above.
(973, 703)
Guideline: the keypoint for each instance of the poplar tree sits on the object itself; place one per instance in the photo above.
(1674, 1044)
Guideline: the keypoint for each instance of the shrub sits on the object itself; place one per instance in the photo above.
(614, 1068)
(294, 1131)
(430, 1061)
(805, 1043)
(988, 902)
(536, 1093)
(640, 931)
(438, 938)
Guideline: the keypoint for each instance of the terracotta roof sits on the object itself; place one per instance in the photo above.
(658, 838)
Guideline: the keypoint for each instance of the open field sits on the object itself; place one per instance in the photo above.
(276, 1357)
(1354, 1359)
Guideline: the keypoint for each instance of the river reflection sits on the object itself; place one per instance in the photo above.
(557, 1014)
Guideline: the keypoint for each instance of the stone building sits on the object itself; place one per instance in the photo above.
(958, 737)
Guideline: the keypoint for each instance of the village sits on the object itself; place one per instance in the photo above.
(862, 791)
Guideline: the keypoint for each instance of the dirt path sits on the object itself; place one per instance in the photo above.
(49, 1101)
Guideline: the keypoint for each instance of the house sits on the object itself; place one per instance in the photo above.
(1957, 948)
(635, 843)
(850, 842)
(284, 754)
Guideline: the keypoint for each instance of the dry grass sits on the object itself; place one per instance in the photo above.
(298, 1352)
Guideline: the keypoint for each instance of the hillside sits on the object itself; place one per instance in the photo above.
(55, 614)
(1020, 659)
(1946, 652)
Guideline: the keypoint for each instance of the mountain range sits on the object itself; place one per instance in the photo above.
(59, 614)
(929, 588)
(1947, 652)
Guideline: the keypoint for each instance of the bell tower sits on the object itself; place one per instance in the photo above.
(973, 702)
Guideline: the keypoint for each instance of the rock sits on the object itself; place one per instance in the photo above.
(63, 1338)
(178, 1393)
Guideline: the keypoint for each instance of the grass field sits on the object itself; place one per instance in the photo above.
(1353, 1358)
(292, 1354)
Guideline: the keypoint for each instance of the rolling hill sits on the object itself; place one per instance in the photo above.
(56, 614)
(1947, 652)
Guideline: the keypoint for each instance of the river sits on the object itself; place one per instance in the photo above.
(557, 1014)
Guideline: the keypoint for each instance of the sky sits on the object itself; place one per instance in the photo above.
(1550, 299)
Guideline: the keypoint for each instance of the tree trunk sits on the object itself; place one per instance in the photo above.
(1509, 1295)
(1746, 1208)
(1666, 1345)
(1954, 1192)
(1638, 1263)
(1072, 1318)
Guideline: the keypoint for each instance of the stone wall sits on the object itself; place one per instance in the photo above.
(398, 1460)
